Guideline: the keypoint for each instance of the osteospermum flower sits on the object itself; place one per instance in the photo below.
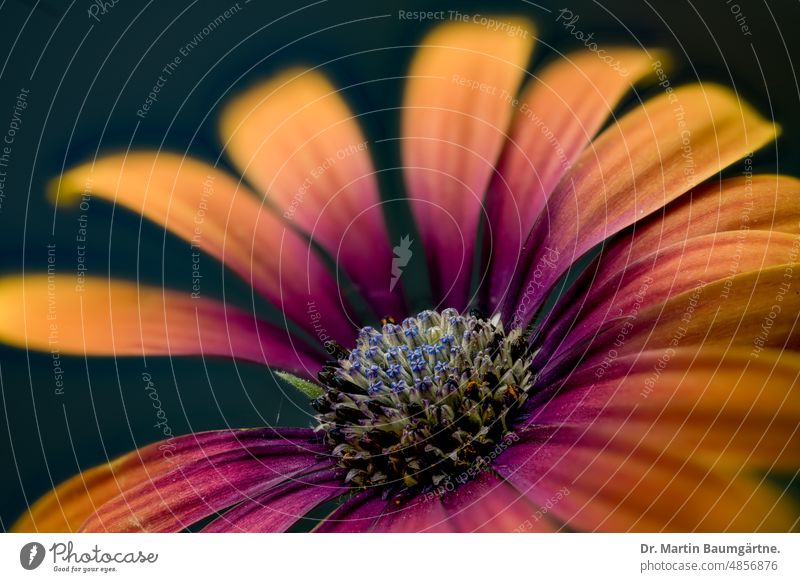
(658, 391)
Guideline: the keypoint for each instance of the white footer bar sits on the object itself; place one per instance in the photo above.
(398, 557)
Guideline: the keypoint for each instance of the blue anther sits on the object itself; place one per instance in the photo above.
(398, 386)
(418, 365)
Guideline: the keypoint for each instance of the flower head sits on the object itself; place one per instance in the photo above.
(419, 402)
(647, 385)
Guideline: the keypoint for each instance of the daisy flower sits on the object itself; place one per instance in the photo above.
(610, 342)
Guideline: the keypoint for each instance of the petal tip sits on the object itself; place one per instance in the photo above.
(66, 189)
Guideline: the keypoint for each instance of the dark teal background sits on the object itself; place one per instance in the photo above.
(86, 81)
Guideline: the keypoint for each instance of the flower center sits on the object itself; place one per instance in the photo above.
(414, 404)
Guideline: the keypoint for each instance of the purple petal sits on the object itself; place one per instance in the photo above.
(219, 470)
(422, 513)
(489, 504)
(356, 515)
(282, 506)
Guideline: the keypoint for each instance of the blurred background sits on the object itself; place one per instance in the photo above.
(87, 67)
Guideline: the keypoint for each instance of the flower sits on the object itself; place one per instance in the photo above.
(657, 392)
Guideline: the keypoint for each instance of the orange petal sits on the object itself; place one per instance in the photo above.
(65, 508)
(94, 316)
(216, 213)
(457, 108)
(557, 115)
(654, 154)
(297, 141)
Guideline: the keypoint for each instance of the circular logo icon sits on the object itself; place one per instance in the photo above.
(31, 555)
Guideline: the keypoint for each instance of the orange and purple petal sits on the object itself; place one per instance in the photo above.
(557, 115)
(653, 155)
(297, 141)
(755, 310)
(676, 446)
(218, 214)
(762, 202)
(656, 278)
(456, 112)
(68, 506)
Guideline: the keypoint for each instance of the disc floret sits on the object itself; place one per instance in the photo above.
(415, 403)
